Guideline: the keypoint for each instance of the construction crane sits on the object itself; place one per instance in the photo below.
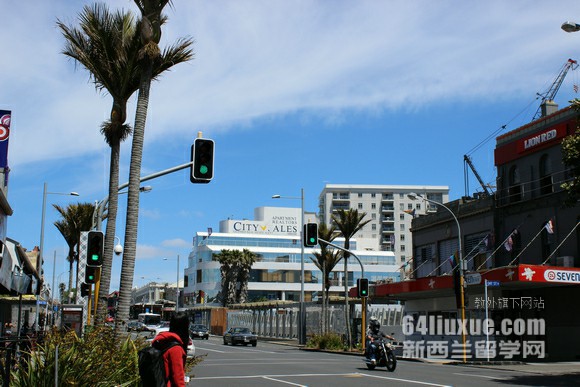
(467, 161)
(550, 94)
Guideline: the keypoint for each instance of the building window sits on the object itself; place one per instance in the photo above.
(401, 196)
(418, 206)
(402, 217)
(409, 206)
(360, 206)
(402, 206)
(402, 247)
(515, 188)
(545, 175)
(402, 227)
(373, 195)
(374, 227)
(360, 194)
(402, 238)
(373, 216)
(374, 206)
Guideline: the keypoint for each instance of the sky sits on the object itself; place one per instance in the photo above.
(295, 94)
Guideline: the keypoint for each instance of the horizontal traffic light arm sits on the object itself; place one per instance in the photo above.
(362, 269)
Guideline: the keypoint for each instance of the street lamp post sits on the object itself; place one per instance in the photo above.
(41, 248)
(414, 196)
(176, 286)
(302, 317)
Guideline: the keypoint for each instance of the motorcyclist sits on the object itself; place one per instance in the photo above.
(374, 333)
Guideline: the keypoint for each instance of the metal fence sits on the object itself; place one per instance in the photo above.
(282, 322)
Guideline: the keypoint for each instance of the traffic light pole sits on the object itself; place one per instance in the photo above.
(363, 299)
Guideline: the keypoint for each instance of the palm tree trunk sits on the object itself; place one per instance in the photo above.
(323, 314)
(346, 307)
(113, 204)
(132, 221)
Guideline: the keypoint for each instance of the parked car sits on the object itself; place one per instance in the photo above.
(136, 326)
(239, 335)
(198, 331)
(163, 327)
(190, 347)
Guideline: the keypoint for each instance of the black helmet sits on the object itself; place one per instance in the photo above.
(375, 325)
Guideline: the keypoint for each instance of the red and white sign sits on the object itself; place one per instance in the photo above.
(537, 273)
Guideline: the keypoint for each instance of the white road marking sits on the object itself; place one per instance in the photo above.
(406, 380)
(283, 381)
(477, 376)
(266, 376)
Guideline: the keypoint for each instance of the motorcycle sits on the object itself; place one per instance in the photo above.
(384, 356)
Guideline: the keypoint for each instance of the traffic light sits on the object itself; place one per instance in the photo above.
(362, 285)
(95, 248)
(91, 274)
(310, 234)
(85, 290)
(202, 161)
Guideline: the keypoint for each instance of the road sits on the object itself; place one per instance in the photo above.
(271, 364)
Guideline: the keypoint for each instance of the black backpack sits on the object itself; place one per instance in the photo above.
(151, 366)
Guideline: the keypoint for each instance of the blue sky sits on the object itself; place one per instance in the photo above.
(295, 94)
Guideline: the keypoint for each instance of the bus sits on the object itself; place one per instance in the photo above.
(150, 320)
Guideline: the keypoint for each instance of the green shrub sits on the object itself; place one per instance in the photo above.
(331, 341)
(99, 358)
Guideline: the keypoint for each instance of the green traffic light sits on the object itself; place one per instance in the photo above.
(95, 257)
(203, 169)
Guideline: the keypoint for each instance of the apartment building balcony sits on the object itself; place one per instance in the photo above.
(340, 206)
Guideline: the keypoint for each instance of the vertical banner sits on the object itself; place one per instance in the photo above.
(4, 134)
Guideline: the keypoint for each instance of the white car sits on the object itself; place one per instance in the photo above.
(164, 327)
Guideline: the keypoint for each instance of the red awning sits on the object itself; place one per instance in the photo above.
(510, 277)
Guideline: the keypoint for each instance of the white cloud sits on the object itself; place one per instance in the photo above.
(177, 243)
(259, 58)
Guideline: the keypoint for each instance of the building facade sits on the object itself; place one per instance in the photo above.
(274, 236)
(520, 258)
(388, 208)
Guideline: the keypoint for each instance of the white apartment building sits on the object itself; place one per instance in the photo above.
(274, 236)
(388, 208)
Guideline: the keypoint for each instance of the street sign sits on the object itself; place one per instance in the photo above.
(472, 278)
(492, 283)
(40, 302)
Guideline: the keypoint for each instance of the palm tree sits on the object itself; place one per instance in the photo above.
(61, 289)
(235, 266)
(150, 33)
(75, 219)
(348, 222)
(326, 260)
(245, 263)
(228, 271)
(108, 46)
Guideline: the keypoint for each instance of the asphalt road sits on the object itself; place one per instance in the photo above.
(271, 364)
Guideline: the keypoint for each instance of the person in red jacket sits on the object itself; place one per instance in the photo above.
(174, 357)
